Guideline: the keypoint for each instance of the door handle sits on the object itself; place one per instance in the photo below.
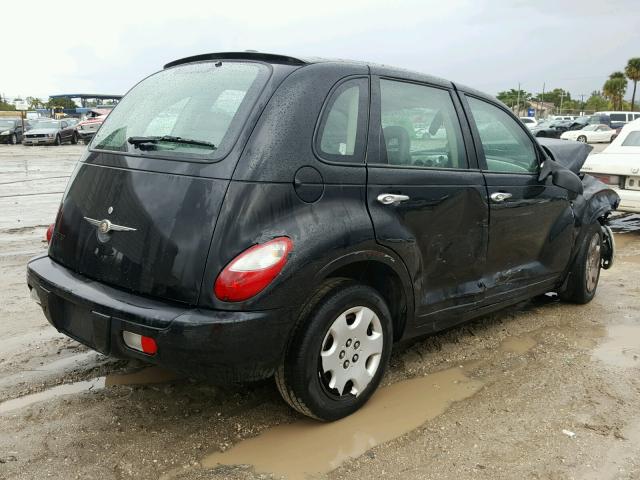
(499, 197)
(391, 198)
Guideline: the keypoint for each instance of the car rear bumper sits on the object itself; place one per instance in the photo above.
(629, 200)
(220, 346)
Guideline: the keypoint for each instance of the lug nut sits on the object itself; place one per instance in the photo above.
(346, 364)
(355, 358)
(356, 344)
(349, 343)
(342, 354)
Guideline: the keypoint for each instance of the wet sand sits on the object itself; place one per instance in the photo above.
(489, 399)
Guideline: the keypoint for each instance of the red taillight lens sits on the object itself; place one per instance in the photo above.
(251, 271)
(50, 232)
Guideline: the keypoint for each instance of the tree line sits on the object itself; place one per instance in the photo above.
(610, 97)
(35, 103)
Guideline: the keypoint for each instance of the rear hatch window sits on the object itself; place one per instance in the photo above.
(190, 112)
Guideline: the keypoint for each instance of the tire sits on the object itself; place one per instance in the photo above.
(303, 380)
(584, 275)
(58, 140)
(74, 139)
(613, 137)
(14, 139)
(582, 139)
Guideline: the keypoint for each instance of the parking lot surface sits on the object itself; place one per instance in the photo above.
(543, 390)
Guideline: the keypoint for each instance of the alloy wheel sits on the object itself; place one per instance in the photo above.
(351, 351)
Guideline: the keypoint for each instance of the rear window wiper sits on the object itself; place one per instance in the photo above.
(138, 142)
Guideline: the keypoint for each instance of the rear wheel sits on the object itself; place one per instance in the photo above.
(14, 139)
(582, 139)
(585, 273)
(339, 351)
(74, 138)
(613, 137)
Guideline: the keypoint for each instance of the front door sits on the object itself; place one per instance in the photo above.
(426, 196)
(531, 222)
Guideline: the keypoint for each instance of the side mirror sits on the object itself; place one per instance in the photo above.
(568, 180)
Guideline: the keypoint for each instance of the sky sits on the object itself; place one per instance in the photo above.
(491, 45)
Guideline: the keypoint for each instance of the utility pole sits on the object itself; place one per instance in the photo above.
(582, 104)
(518, 102)
(544, 84)
(561, 99)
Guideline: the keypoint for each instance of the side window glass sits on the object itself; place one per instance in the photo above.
(420, 127)
(507, 148)
(342, 132)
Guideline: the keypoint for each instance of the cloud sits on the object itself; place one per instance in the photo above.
(491, 45)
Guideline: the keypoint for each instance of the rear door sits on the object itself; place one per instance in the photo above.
(530, 222)
(425, 195)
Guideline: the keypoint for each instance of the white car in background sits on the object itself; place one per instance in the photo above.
(529, 122)
(598, 133)
(619, 166)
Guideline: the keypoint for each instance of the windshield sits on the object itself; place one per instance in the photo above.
(7, 123)
(204, 102)
(45, 124)
(590, 128)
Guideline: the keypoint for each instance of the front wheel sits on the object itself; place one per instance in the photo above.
(339, 351)
(14, 139)
(74, 139)
(585, 272)
(582, 139)
(58, 140)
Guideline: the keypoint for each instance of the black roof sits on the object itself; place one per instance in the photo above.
(300, 61)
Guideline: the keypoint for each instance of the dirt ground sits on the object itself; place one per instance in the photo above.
(544, 390)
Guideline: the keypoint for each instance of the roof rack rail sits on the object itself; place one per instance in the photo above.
(249, 55)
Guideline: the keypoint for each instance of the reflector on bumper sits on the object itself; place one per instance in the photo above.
(140, 342)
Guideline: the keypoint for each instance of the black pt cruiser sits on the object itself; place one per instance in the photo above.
(246, 215)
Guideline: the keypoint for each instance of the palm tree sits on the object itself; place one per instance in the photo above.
(633, 73)
(615, 88)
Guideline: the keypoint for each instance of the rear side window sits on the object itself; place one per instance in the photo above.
(342, 131)
(507, 148)
(205, 102)
(618, 117)
(632, 140)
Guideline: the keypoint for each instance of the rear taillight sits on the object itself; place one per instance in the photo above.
(251, 271)
(50, 232)
(608, 179)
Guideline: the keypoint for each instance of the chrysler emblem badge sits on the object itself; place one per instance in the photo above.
(110, 210)
(105, 226)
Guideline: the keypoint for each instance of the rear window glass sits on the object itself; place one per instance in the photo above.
(193, 111)
(632, 140)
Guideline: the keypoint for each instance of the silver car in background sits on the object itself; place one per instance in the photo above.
(50, 132)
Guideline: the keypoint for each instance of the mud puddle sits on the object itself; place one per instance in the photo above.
(307, 447)
(518, 345)
(150, 375)
(622, 347)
